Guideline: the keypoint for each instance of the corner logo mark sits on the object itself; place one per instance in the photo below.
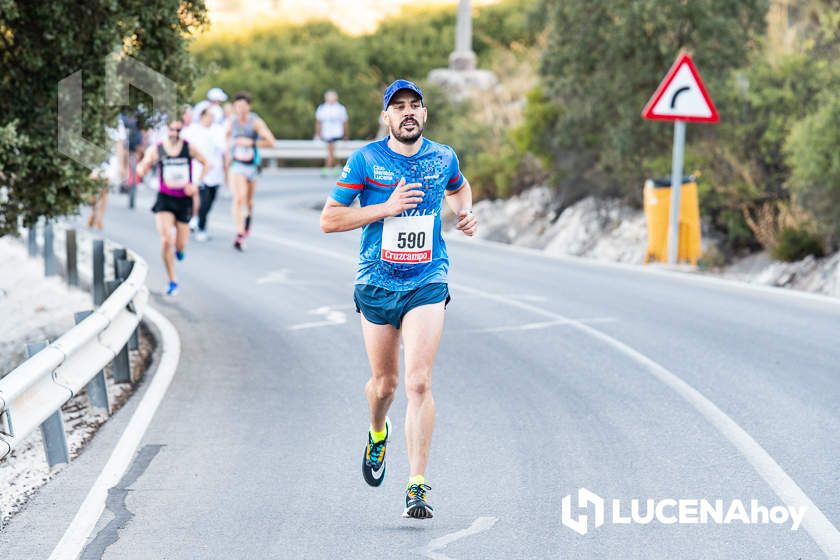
(585, 499)
(120, 73)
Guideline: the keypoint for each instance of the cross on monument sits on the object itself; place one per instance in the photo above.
(463, 57)
(461, 78)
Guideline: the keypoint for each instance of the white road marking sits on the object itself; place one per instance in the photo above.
(654, 269)
(274, 277)
(331, 315)
(532, 326)
(282, 276)
(816, 523)
(478, 526)
(529, 297)
(76, 535)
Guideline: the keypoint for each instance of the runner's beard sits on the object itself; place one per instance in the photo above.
(407, 137)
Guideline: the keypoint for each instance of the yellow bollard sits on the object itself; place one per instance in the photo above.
(657, 203)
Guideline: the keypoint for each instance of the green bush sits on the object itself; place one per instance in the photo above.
(288, 68)
(604, 59)
(795, 244)
(814, 158)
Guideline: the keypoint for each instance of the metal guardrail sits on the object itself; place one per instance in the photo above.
(32, 394)
(309, 149)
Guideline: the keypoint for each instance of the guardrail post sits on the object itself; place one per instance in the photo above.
(121, 363)
(32, 238)
(52, 430)
(118, 255)
(124, 268)
(50, 265)
(98, 272)
(72, 266)
(97, 388)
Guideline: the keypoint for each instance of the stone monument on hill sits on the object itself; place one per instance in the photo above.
(462, 77)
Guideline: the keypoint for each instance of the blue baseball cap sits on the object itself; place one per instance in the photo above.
(396, 86)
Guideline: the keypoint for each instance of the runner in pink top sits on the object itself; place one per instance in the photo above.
(173, 206)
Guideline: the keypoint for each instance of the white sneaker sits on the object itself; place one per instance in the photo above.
(193, 223)
(202, 236)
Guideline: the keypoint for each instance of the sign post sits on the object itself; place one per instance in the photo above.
(676, 185)
(682, 98)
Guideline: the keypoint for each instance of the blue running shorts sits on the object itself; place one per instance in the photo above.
(388, 307)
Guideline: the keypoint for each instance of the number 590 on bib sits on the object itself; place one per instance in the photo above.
(408, 240)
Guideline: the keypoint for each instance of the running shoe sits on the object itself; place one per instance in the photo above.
(201, 236)
(193, 223)
(239, 243)
(416, 505)
(179, 255)
(247, 225)
(373, 461)
(172, 290)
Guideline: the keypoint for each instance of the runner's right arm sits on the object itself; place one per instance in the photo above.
(337, 216)
(149, 159)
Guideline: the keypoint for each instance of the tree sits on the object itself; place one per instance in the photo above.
(603, 61)
(43, 42)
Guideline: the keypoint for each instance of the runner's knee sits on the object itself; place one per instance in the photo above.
(418, 386)
(386, 387)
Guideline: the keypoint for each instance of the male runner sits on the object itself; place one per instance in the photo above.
(173, 206)
(401, 287)
(330, 126)
(247, 132)
(207, 137)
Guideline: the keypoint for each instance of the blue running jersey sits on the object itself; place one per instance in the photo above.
(407, 251)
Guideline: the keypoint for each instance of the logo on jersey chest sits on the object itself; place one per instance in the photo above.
(382, 174)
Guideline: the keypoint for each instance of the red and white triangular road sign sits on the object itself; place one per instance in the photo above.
(681, 96)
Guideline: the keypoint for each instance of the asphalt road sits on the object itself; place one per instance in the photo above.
(554, 374)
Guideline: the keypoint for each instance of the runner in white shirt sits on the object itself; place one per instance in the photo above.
(215, 98)
(209, 138)
(331, 125)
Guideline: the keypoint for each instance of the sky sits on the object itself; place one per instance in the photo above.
(354, 16)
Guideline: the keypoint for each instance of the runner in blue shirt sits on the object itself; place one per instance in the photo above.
(401, 182)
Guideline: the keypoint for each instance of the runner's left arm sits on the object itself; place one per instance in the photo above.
(459, 198)
(205, 165)
(266, 138)
(460, 201)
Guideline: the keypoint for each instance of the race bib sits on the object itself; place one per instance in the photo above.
(243, 153)
(176, 175)
(408, 240)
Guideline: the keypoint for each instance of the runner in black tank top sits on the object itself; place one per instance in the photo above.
(173, 205)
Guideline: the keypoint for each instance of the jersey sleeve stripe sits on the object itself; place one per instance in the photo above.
(369, 180)
(354, 186)
(456, 178)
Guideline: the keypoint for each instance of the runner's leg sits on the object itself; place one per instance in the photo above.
(196, 205)
(382, 343)
(182, 235)
(238, 187)
(330, 154)
(421, 331)
(165, 221)
(251, 186)
(101, 205)
(208, 195)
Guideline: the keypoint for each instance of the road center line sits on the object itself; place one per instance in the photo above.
(478, 526)
(76, 535)
(815, 523)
